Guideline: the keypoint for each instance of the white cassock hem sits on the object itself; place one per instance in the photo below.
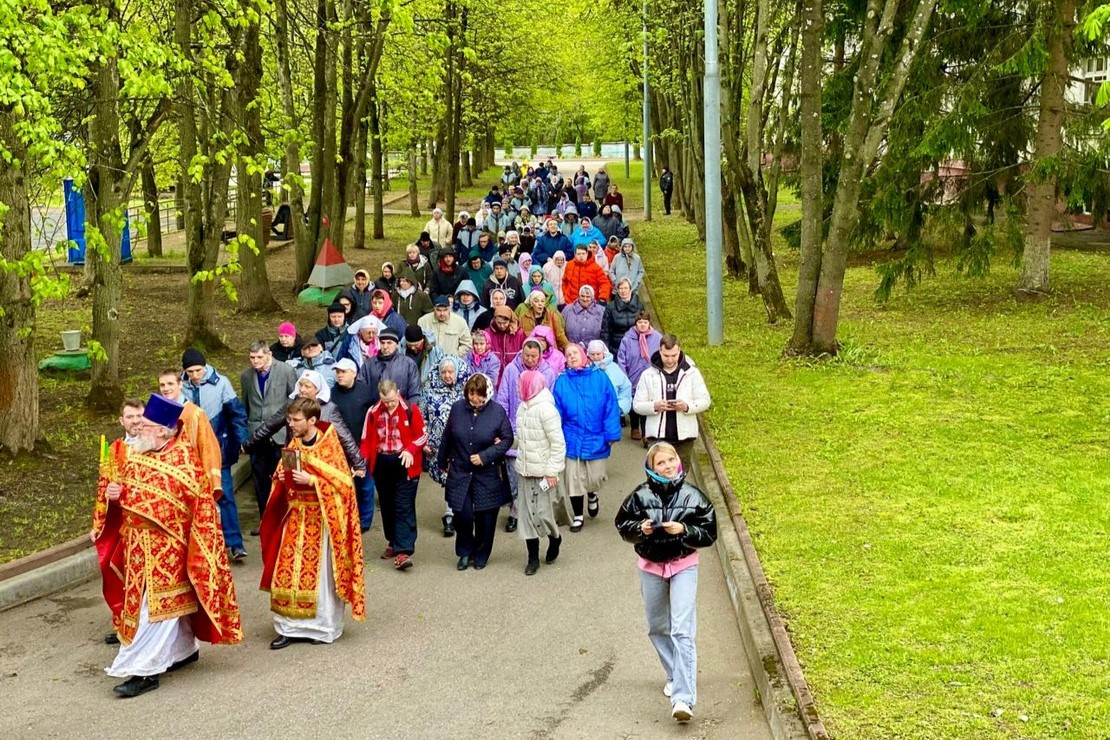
(327, 625)
(157, 646)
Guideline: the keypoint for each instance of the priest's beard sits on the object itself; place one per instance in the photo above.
(146, 443)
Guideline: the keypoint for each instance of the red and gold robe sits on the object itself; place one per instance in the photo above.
(106, 520)
(172, 547)
(292, 531)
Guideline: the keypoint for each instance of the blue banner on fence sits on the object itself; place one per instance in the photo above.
(75, 227)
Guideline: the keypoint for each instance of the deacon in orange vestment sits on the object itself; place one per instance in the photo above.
(196, 428)
(311, 541)
(177, 585)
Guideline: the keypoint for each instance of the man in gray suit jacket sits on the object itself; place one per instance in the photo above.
(265, 388)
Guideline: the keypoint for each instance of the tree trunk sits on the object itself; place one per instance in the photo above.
(376, 155)
(424, 158)
(436, 191)
(19, 385)
(467, 174)
(202, 123)
(1041, 199)
(103, 250)
(358, 187)
(875, 94)
(304, 238)
(811, 164)
(414, 196)
(454, 133)
(254, 279)
(763, 258)
(321, 165)
(153, 211)
(179, 204)
(734, 258)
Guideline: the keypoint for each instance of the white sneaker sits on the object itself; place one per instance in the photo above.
(668, 689)
(682, 712)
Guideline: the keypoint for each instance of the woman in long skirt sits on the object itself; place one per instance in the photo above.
(587, 405)
(541, 453)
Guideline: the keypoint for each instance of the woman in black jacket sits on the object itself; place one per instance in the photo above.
(472, 452)
(667, 519)
(620, 315)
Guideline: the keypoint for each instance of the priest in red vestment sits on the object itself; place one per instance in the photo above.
(311, 539)
(176, 579)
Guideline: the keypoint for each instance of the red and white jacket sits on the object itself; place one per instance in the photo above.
(409, 425)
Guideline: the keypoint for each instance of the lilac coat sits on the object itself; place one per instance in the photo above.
(583, 325)
(490, 366)
(629, 355)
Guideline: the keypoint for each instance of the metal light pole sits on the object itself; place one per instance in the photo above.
(712, 134)
(647, 127)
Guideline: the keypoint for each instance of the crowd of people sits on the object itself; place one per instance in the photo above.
(485, 358)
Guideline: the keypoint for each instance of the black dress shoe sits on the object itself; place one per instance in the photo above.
(464, 563)
(136, 685)
(184, 662)
(111, 639)
(510, 525)
(553, 544)
(281, 641)
(254, 533)
(479, 566)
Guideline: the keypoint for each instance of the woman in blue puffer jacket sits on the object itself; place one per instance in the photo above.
(587, 405)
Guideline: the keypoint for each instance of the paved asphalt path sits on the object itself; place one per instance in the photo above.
(442, 654)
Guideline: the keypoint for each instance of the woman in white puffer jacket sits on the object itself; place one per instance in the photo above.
(540, 458)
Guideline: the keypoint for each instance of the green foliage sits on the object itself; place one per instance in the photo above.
(597, 147)
(508, 148)
(578, 146)
(534, 149)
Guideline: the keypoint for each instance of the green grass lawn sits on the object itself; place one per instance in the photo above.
(931, 507)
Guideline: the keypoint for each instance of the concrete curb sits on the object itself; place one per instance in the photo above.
(65, 565)
(49, 578)
(787, 701)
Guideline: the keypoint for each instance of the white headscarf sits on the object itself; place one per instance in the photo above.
(323, 392)
(366, 322)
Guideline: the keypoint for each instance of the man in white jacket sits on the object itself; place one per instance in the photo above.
(670, 394)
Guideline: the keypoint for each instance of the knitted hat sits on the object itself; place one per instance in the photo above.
(336, 307)
(287, 327)
(413, 334)
(191, 358)
(390, 334)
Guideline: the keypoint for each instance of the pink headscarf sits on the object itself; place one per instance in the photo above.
(489, 346)
(531, 383)
(643, 336)
(524, 262)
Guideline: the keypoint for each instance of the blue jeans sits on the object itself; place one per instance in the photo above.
(229, 512)
(364, 491)
(671, 607)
